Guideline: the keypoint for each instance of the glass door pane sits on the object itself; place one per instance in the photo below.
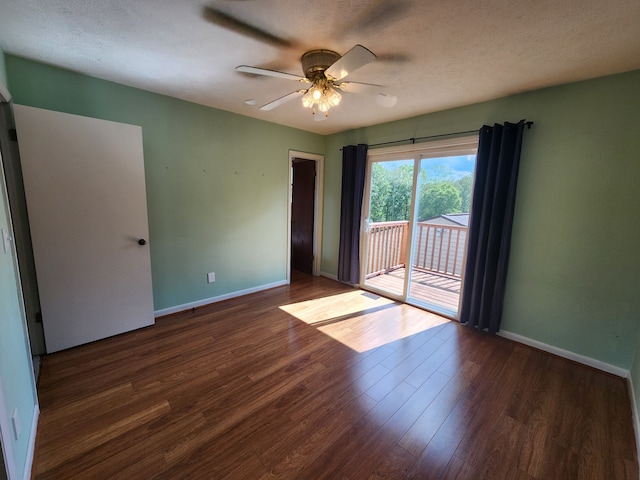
(443, 205)
(387, 232)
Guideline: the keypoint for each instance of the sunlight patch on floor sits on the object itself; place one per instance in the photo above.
(333, 307)
(342, 317)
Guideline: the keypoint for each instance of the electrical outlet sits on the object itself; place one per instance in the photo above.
(211, 277)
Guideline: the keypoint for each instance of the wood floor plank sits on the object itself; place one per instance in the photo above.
(85, 406)
(317, 380)
(334, 388)
(350, 443)
(416, 439)
(395, 464)
(443, 353)
(434, 459)
(248, 438)
(383, 441)
(531, 388)
(93, 439)
(289, 459)
(224, 415)
(494, 403)
(492, 457)
(404, 368)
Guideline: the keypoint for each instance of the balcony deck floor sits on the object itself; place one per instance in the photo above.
(433, 291)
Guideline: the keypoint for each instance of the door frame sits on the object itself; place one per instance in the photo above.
(317, 209)
(8, 466)
(7, 463)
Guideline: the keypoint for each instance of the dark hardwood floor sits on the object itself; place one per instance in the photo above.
(317, 381)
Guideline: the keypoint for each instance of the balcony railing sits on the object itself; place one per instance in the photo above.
(439, 249)
(387, 243)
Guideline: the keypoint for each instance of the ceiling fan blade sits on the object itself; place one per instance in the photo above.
(270, 73)
(357, 87)
(386, 101)
(380, 13)
(382, 99)
(281, 100)
(229, 22)
(355, 58)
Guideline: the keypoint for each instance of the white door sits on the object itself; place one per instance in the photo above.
(86, 199)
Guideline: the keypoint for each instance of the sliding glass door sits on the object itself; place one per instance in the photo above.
(439, 240)
(416, 210)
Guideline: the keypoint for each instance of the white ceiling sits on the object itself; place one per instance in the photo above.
(432, 55)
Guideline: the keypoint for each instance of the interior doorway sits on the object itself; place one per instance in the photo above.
(305, 212)
(302, 210)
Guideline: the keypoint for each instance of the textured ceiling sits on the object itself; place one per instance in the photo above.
(432, 55)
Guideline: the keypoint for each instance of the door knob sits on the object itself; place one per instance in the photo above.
(142, 241)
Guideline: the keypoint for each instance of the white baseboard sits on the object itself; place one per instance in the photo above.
(28, 464)
(335, 277)
(591, 362)
(329, 276)
(219, 298)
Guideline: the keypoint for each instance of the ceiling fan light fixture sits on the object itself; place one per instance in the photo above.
(321, 95)
(307, 100)
(334, 98)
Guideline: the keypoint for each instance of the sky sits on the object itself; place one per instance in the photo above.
(459, 166)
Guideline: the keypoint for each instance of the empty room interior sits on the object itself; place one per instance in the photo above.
(356, 239)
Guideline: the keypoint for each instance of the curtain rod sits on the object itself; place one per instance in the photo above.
(413, 139)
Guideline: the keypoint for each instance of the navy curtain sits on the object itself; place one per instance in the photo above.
(354, 163)
(494, 196)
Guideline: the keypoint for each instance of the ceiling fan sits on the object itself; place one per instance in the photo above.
(324, 74)
(324, 70)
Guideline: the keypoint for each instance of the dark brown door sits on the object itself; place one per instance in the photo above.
(302, 212)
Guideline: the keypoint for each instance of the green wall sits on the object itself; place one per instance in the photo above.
(16, 374)
(573, 274)
(217, 182)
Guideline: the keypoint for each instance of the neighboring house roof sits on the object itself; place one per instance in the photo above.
(461, 219)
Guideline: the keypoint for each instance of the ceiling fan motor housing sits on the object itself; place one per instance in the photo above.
(317, 61)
